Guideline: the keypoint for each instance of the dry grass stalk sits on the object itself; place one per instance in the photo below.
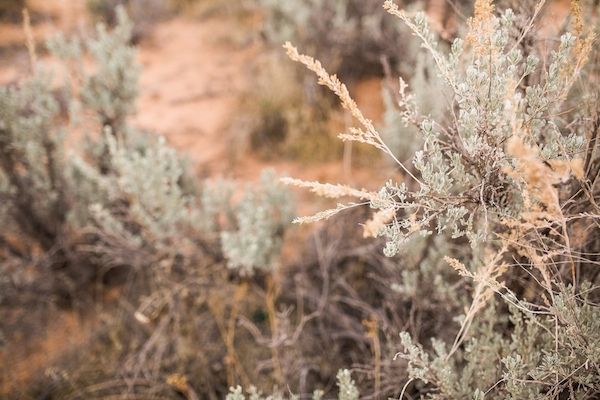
(368, 134)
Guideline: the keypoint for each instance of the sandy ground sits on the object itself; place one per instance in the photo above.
(191, 82)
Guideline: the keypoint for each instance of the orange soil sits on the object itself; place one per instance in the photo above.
(24, 362)
(192, 79)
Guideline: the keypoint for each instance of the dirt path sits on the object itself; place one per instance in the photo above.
(192, 79)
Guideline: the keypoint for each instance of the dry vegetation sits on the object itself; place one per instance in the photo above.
(466, 268)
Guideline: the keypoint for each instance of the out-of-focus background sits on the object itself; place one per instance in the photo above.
(216, 83)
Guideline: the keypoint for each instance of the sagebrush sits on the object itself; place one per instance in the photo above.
(487, 285)
(505, 177)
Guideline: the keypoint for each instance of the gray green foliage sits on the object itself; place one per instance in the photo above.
(429, 93)
(250, 225)
(467, 167)
(111, 88)
(145, 185)
(528, 364)
(33, 188)
(493, 184)
(259, 219)
(128, 188)
(492, 236)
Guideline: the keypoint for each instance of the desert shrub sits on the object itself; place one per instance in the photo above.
(133, 188)
(347, 391)
(33, 185)
(135, 185)
(140, 201)
(40, 187)
(144, 13)
(496, 183)
(288, 122)
(429, 97)
(109, 91)
(125, 209)
(349, 36)
(259, 219)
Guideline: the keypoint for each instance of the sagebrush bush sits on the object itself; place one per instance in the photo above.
(259, 219)
(346, 386)
(110, 90)
(251, 227)
(126, 186)
(125, 204)
(492, 236)
(498, 177)
(348, 35)
(34, 189)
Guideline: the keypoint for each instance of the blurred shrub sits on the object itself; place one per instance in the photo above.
(349, 36)
(259, 220)
(279, 123)
(110, 90)
(127, 205)
(144, 13)
(130, 191)
(346, 386)
(32, 180)
(10, 10)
